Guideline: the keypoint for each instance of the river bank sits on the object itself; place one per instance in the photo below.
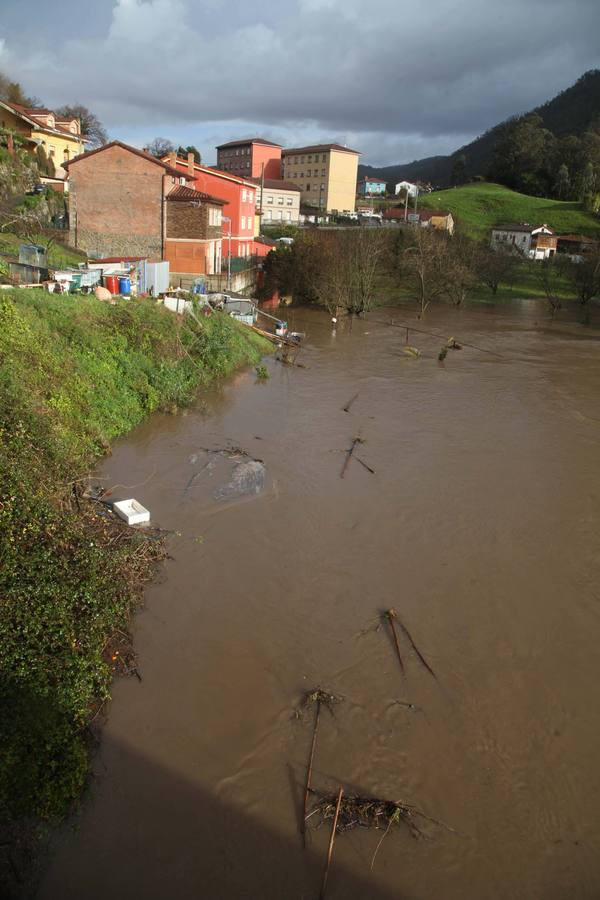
(74, 375)
(479, 526)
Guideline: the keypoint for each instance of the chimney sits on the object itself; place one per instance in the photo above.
(10, 144)
(173, 160)
(191, 160)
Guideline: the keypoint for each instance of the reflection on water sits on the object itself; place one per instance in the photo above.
(479, 526)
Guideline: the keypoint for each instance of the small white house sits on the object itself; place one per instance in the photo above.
(533, 241)
(408, 186)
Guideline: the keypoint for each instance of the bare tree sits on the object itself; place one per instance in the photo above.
(425, 260)
(461, 270)
(495, 266)
(550, 273)
(160, 147)
(584, 276)
(91, 126)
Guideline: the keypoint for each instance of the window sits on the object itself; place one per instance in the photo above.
(243, 195)
(308, 173)
(280, 201)
(301, 175)
(250, 197)
(237, 152)
(269, 199)
(310, 157)
(324, 157)
(279, 215)
(288, 216)
(289, 201)
(182, 180)
(301, 159)
(243, 222)
(308, 187)
(323, 172)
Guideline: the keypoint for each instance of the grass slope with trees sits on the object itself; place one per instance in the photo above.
(75, 374)
(477, 207)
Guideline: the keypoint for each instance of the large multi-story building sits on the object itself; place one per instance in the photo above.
(250, 158)
(61, 138)
(277, 201)
(326, 175)
(124, 202)
(238, 194)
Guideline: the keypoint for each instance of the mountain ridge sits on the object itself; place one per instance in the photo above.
(571, 111)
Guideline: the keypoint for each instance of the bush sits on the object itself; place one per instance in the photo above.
(74, 374)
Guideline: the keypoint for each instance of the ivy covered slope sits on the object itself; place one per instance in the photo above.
(75, 374)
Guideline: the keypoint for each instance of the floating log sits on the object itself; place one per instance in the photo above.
(414, 646)
(346, 408)
(390, 616)
(355, 441)
(331, 842)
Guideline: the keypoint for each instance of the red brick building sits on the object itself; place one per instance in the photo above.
(239, 195)
(247, 158)
(122, 201)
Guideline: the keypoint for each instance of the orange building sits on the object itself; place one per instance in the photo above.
(247, 158)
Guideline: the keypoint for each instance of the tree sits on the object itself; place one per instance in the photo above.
(160, 147)
(461, 270)
(424, 261)
(459, 171)
(14, 93)
(91, 126)
(183, 151)
(550, 273)
(584, 277)
(563, 183)
(495, 266)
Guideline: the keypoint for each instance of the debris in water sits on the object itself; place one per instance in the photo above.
(319, 697)
(131, 511)
(414, 646)
(248, 478)
(411, 351)
(390, 615)
(371, 812)
(349, 452)
(346, 408)
(442, 354)
(453, 345)
(331, 841)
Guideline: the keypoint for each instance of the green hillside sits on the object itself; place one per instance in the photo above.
(477, 207)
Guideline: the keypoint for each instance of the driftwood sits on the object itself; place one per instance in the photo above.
(331, 842)
(390, 615)
(319, 698)
(414, 646)
(346, 408)
(355, 441)
(372, 812)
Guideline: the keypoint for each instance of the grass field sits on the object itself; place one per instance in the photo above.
(477, 207)
(59, 256)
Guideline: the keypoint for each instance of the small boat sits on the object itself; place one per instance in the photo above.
(131, 511)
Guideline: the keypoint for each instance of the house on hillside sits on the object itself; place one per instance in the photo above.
(122, 201)
(408, 187)
(440, 219)
(533, 241)
(575, 244)
(371, 187)
(61, 139)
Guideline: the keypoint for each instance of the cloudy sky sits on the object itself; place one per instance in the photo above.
(395, 79)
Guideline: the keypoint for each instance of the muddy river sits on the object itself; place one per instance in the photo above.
(478, 524)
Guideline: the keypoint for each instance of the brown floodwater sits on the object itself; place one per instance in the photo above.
(479, 526)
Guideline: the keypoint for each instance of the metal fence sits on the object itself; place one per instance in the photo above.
(239, 263)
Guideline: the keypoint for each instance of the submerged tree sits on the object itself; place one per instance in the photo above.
(425, 261)
(495, 266)
(584, 277)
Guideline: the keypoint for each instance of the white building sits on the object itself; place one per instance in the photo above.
(533, 241)
(408, 186)
(280, 202)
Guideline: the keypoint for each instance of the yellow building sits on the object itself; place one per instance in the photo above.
(325, 173)
(61, 139)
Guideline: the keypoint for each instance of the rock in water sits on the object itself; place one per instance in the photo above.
(248, 477)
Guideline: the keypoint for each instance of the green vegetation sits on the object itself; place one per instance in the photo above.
(60, 256)
(479, 206)
(75, 374)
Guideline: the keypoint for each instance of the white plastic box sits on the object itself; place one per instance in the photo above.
(132, 512)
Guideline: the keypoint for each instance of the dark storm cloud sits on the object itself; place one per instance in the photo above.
(397, 79)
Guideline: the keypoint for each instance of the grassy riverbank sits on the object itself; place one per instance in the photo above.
(74, 375)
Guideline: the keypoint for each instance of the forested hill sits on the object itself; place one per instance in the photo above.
(571, 112)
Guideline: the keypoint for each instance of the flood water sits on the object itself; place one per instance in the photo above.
(479, 526)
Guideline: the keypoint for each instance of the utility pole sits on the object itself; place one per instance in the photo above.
(228, 219)
(262, 192)
(406, 206)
